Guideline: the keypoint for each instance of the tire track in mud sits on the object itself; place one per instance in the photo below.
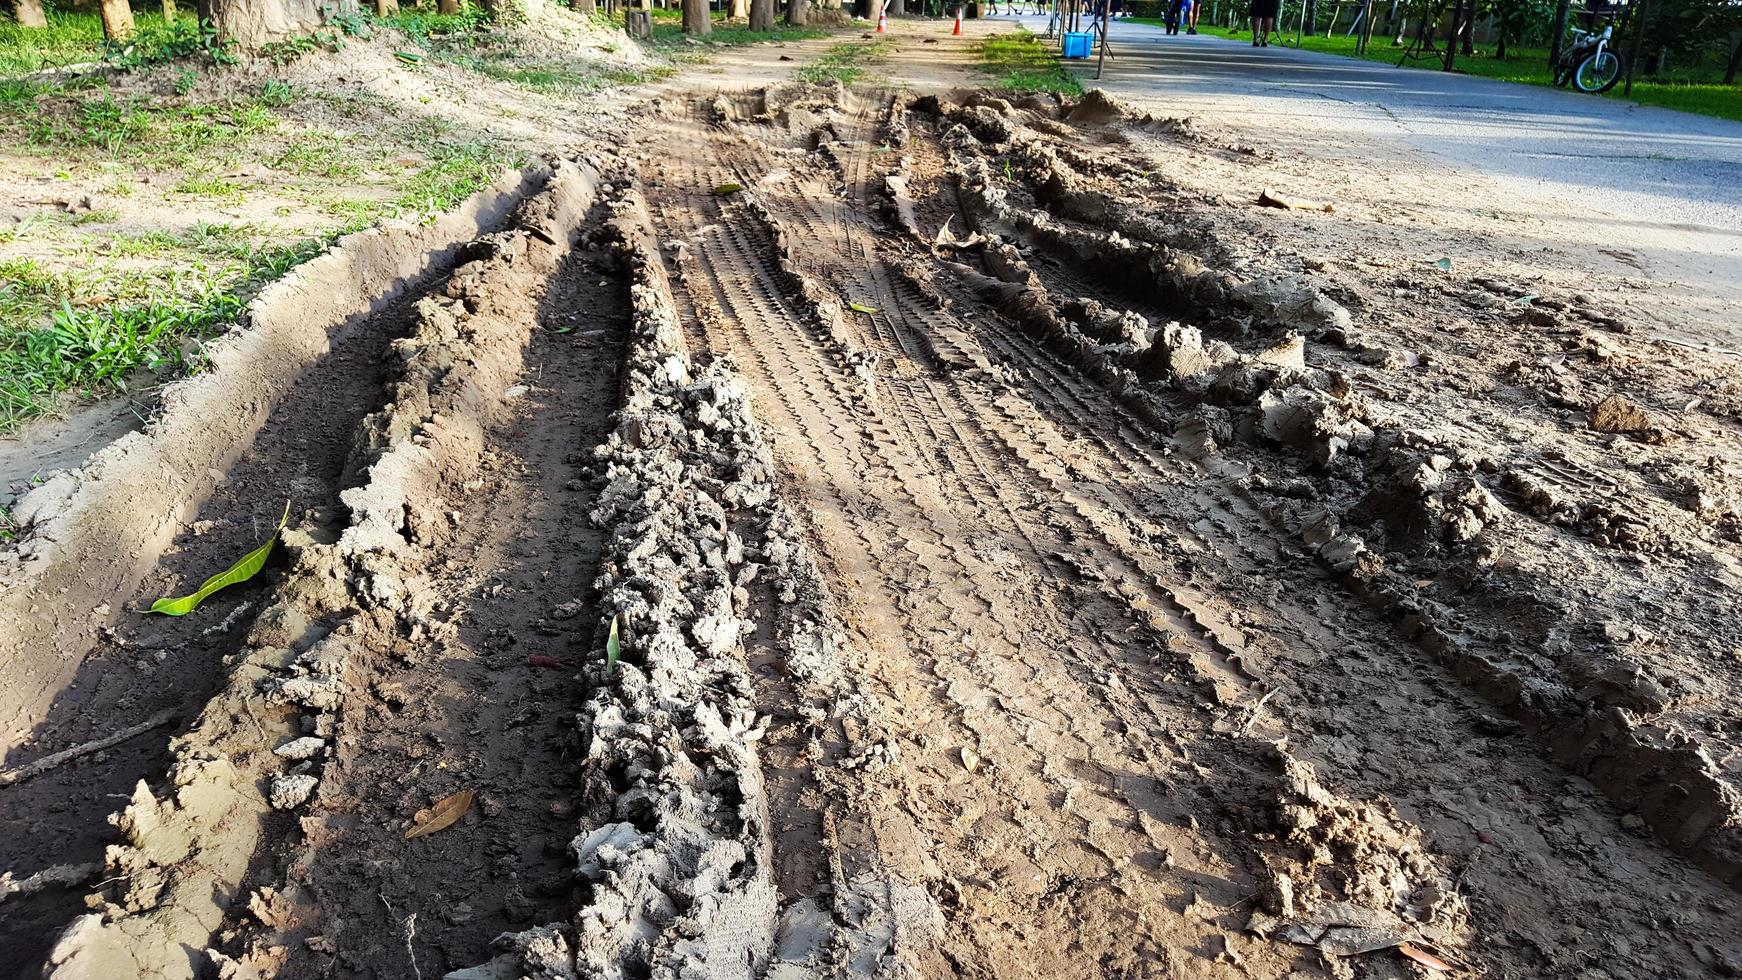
(1223, 529)
(1355, 670)
(486, 702)
(1055, 728)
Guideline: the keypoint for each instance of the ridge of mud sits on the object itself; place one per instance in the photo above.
(1272, 398)
(189, 848)
(90, 535)
(677, 859)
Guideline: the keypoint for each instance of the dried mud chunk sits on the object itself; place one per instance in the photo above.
(1291, 302)
(1617, 414)
(1097, 107)
(1307, 419)
(1352, 865)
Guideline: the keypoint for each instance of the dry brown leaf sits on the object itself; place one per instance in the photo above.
(1425, 958)
(447, 810)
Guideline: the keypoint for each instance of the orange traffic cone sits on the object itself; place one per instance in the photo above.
(958, 30)
(882, 16)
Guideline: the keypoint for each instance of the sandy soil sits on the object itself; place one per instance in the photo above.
(1026, 556)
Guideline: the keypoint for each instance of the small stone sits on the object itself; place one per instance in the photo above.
(306, 747)
(290, 792)
(1633, 821)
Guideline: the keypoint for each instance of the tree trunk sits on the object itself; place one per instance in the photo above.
(386, 8)
(695, 17)
(117, 20)
(1735, 65)
(762, 15)
(1311, 15)
(738, 10)
(1558, 32)
(506, 11)
(169, 11)
(29, 13)
(797, 12)
(586, 8)
(447, 6)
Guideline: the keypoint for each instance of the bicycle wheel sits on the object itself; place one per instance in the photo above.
(1598, 73)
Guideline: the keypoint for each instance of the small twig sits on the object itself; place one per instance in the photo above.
(1702, 348)
(1256, 709)
(410, 925)
(48, 762)
(410, 934)
(60, 874)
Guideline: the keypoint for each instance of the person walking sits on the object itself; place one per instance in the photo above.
(1173, 15)
(1263, 14)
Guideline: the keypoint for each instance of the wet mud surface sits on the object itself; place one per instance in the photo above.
(1014, 572)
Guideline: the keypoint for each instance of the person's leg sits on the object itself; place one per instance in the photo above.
(1255, 22)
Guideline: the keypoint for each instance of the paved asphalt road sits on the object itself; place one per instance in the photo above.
(1669, 178)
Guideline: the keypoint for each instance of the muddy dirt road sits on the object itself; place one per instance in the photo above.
(861, 534)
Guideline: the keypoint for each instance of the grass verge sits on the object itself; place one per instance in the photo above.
(845, 63)
(1020, 62)
(1525, 66)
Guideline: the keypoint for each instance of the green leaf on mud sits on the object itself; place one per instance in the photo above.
(863, 308)
(612, 648)
(727, 189)
(245, 569)
(409, 57)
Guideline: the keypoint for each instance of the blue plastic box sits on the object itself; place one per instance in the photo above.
(1078, 44)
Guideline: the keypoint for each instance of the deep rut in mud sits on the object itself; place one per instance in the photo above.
(1003, 589)
(486, 704)
(147, 665)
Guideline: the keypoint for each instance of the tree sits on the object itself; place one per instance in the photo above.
(762, 15)
(797, 11)
(251, 23)
(386, 8)
(1735, 65)
(1311, 15)
(586, 8)
(738, 9)
(117, 20)
(29, 13)
(695, 17)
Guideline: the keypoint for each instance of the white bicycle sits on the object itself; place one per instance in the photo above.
(1587, 63)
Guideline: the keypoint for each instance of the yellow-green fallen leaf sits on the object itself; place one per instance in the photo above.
(863, 308)
(409, 57)
(446, 812)
(725, 189)
(612, 648)
(245, 569)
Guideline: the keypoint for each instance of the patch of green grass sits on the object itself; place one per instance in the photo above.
(320, 155)
(1698, 93)
(95, 349)
(454, 172)
(1021, 62)
(844, 63)
(51, 120)
(71, 36)
(670, 38)
(208, 185)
